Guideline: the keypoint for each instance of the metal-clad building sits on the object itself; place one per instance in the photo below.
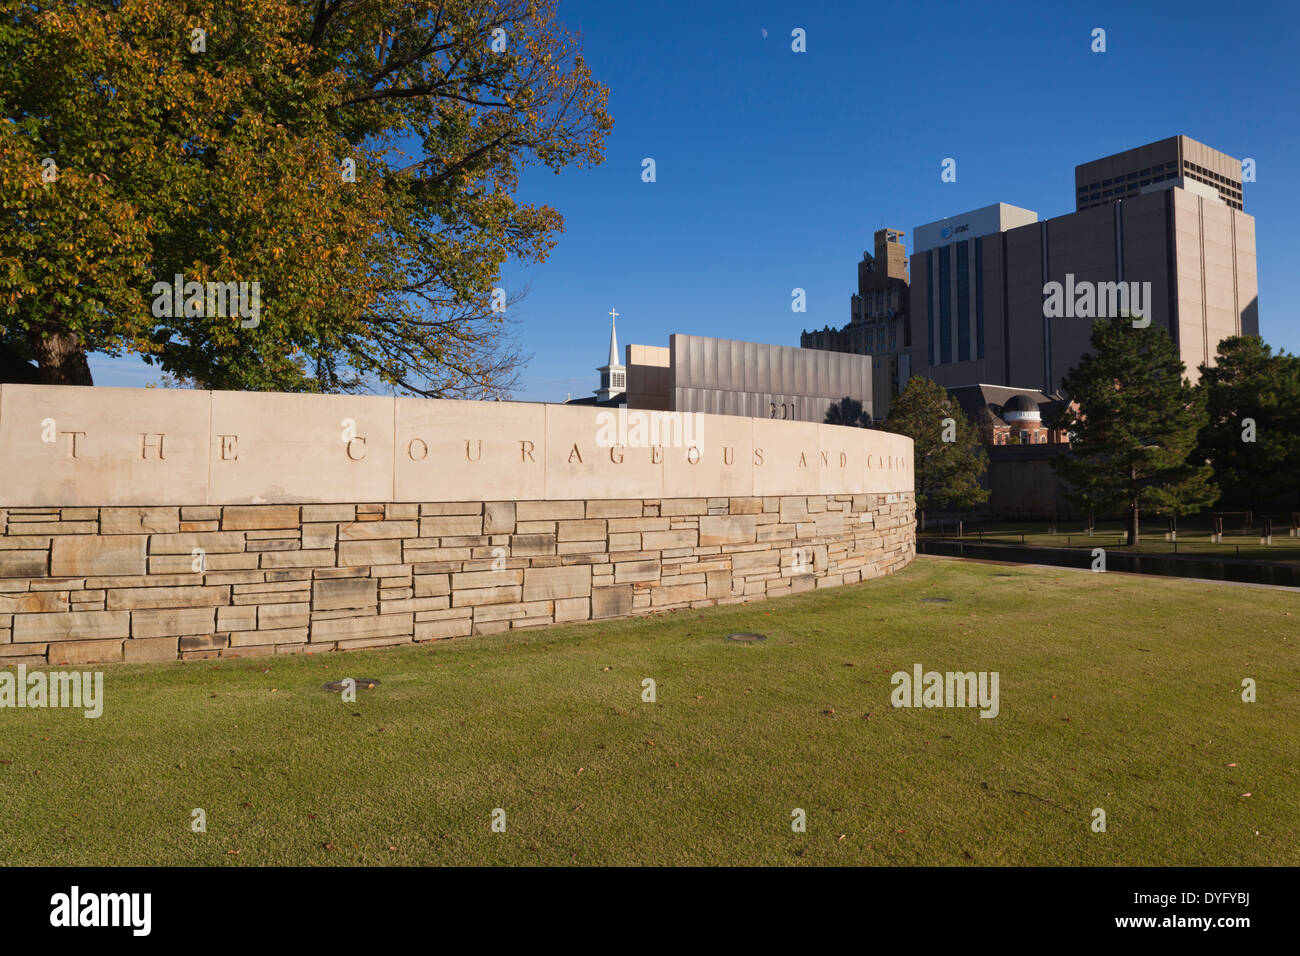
(727, 377)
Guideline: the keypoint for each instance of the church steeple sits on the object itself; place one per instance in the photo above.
(613, 376)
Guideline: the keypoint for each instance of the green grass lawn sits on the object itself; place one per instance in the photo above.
(1191, 540)
(1116, 691)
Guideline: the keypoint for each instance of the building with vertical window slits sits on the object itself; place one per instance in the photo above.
(1169, 214)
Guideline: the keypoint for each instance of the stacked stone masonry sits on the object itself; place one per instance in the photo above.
(82, 585)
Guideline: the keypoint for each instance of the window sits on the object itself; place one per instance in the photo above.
(979, 297)
(1024, 438)
(963, 303)
(945, 305)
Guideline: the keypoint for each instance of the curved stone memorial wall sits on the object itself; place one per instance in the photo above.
(152, 524)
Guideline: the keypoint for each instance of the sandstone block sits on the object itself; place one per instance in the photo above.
(727, 529)
(683, 506)
(330, 595)
(72, 626)
(431, 585)
(375, 625)
(172, 622)
(24, 564)
(499, 517)
(437, 630)
(627, 541)
(328, 513)
(486, 579)
(528, 545)
(85, 652)
(287, 635)
(34, 602)
(138, 520)
(194, 596)
(659, 540)
(248, 517)
(86, 554)
(717, 583)
(550, 510)
(150, 649)
(626, 572)
(354, 553)
(572, 609)
(615, 508)
(512, 612)
(238, 618)
(548, 584)
(476, 596)
(451, 526)
(371, 530)
(212, 542)
(611, 602)
(679, 593)
(451, 508)
(275, 616)
(203, 642)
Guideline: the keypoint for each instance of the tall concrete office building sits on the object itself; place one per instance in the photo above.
(1127, 174)
(1168, 217)
(878, 319)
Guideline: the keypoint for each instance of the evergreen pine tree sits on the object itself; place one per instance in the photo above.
(1134, 421)
(947, 456)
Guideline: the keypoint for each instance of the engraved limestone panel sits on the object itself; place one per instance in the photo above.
(468, 451)
(272, 447)
(71, 445)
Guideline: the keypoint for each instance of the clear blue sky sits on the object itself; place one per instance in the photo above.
(774, 168)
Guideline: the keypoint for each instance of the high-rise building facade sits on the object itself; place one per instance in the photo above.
(1127, 174)
(1182, 249)
(878, 320)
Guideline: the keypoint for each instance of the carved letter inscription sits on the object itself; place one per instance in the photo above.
(72, 442)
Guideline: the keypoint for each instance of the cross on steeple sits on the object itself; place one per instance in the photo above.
(613, 376)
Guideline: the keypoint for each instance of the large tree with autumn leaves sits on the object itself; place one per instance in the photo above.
(216, 139)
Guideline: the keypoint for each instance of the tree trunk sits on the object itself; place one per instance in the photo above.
(1133, 530)
(922, 513)
(61, 358)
